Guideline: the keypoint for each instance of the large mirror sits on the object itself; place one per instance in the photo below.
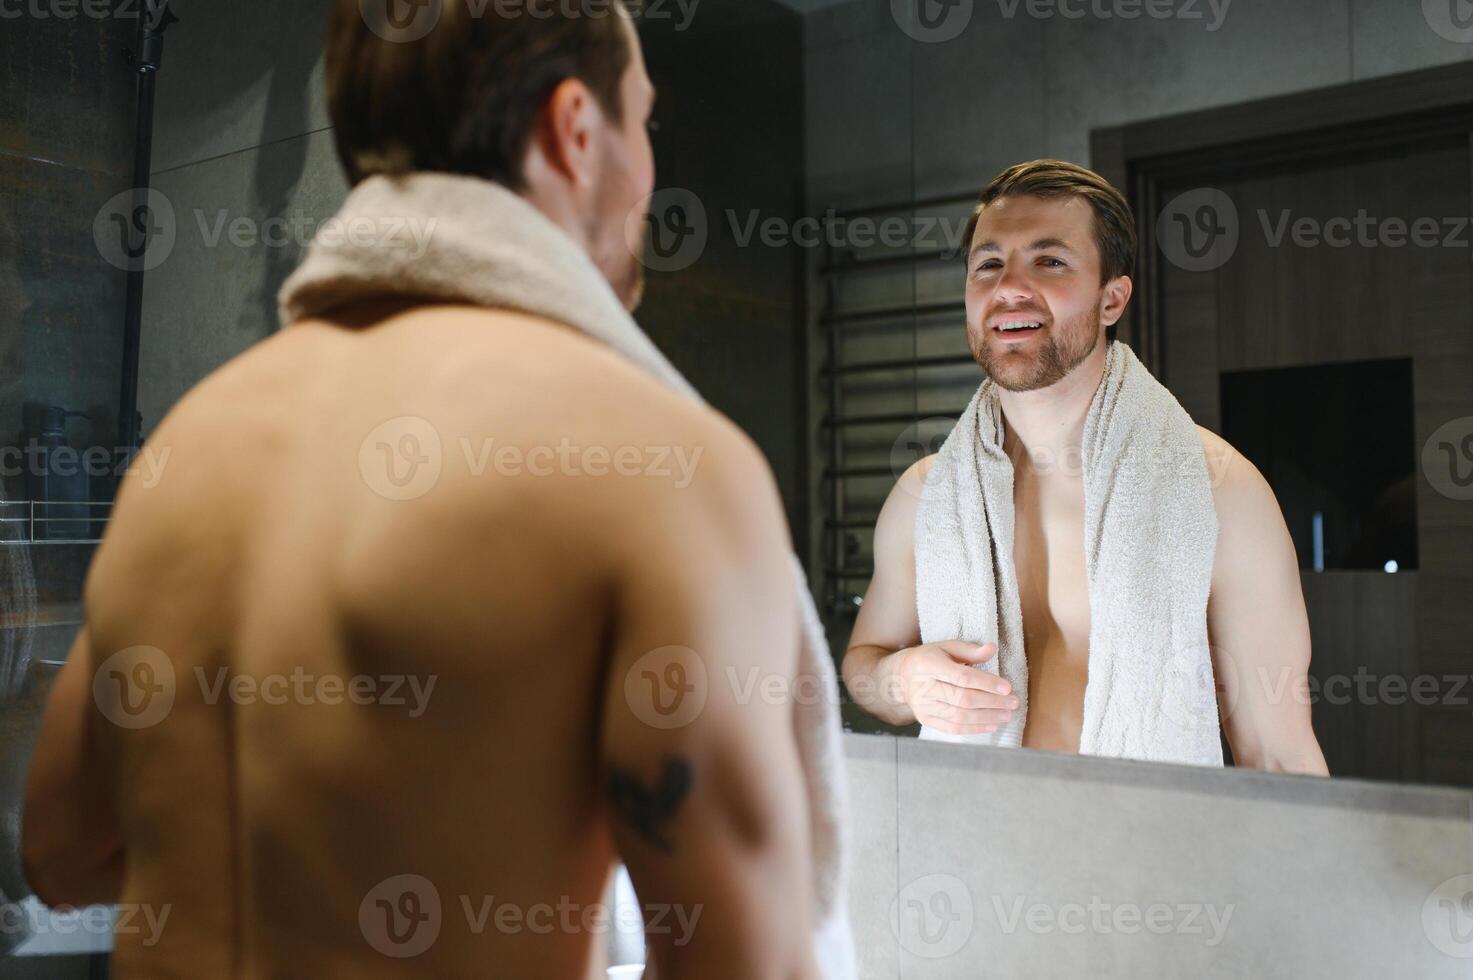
(1113, 358)
(1299, 178)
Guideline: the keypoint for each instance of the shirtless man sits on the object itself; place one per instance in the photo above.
(1063, 259)
(276, 827)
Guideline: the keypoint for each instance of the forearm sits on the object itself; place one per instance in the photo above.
(71, 849)
(63, 881)
(71, 841)
(1294, 753)
(803, 967)
(872, 676)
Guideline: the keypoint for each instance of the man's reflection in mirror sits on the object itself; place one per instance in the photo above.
(1081, 568)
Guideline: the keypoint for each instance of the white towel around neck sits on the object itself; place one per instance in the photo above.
(455, 238)
(1150, 535)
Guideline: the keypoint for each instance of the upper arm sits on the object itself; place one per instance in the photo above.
(887, 618)
(1257, 621)
(698, 753)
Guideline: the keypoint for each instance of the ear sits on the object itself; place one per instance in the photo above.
(565, 130)
(1117, 297)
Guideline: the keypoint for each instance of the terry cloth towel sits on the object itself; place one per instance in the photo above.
(460, 239)
(1150, 534)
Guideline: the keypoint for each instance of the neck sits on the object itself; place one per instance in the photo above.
(560, 209)
(1050, 420)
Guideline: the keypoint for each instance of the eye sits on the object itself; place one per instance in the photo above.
(991, 265)
(1051, 262)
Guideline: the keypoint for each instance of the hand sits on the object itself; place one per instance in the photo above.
(940, 685)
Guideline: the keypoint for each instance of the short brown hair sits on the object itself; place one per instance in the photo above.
(464, 97)
(1114, 223)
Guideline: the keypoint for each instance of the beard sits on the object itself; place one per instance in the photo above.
(617, 235)
(1061, 349)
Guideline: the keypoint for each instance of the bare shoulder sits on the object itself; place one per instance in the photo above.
(895, 529)
(622, 447)
(908, 489)
(1242, 497)
(564, 378)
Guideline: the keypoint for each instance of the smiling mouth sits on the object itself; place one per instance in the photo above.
(1017, 328)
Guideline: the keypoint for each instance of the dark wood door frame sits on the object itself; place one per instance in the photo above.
(1434, 104)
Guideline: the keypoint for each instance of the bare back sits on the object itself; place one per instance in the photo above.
(367, 687)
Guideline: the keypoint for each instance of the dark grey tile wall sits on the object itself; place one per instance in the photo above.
(66, 131)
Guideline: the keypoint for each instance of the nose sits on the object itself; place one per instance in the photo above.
(1014, 288)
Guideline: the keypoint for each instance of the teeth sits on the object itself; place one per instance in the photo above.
(1019, 326)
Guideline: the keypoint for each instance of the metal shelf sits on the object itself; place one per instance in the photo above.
(894, 313)
(849, 574)
(846, 266)
(856, 472)
(857, 523)
(901, 364)
(888, 418)
(838, 265)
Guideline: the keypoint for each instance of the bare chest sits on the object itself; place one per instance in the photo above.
(1053, 588)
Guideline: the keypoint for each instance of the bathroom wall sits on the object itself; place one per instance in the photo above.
(66, 142)
(732, 138)
(241, 139)
(972, 862)
(66, 139)
(892, 117)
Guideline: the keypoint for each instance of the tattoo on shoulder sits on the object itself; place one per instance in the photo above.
(649, 809)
